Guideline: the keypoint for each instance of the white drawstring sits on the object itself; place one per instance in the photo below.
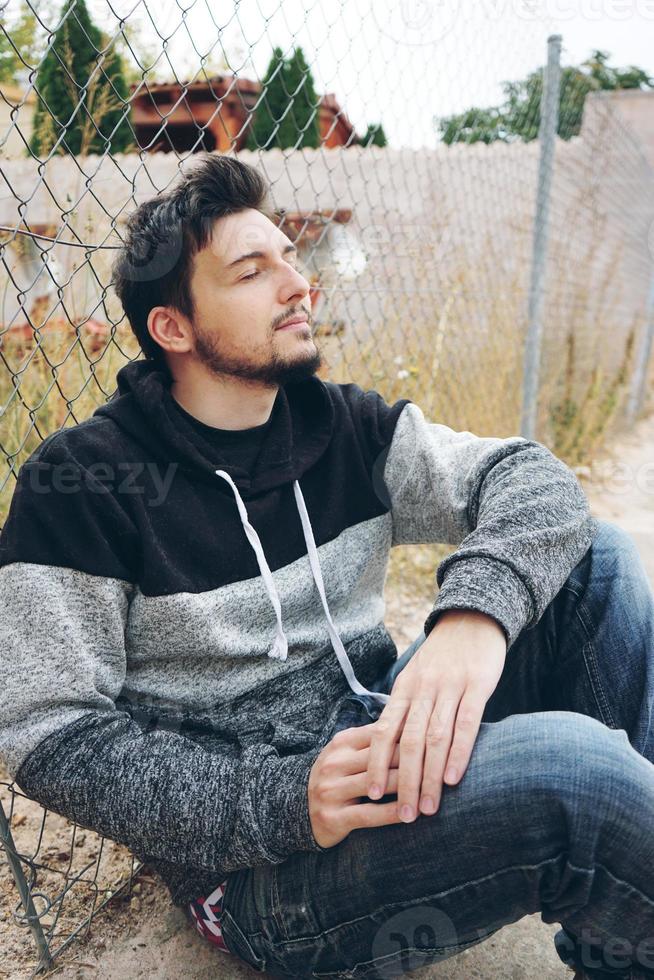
(279, 648)
(337, 643)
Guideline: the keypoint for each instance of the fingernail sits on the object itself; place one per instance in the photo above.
(406, 813)
(451, 775)
(374, 792)
(427, 804)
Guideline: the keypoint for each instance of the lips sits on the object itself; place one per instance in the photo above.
(301, 318)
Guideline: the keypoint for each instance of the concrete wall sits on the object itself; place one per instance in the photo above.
(447, 234)
(637, 109)
(16, 112)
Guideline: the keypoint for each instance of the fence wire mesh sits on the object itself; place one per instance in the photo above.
(401, 148)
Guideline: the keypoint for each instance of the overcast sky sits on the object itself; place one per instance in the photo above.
(400, 62)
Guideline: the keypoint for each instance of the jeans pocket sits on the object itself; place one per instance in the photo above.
(239, 907)
(239, 944)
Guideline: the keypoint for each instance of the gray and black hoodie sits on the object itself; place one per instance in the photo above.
(177, 633)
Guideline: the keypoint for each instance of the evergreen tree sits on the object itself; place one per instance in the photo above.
(80, 90)
(374, 136)
(301, 127)
(287, 114)
(264, 127)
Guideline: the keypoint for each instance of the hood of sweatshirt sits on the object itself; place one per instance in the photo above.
(301, 425)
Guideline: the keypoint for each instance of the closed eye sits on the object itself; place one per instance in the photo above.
(254, 274)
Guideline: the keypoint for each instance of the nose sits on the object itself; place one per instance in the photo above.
(294, 286)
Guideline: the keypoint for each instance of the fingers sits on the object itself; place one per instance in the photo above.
(354, 760)
(357, 737)
(364, 757)
(466, 729)
(450, 739)
(435, 748)
(422, 787)
(375, 814)
(384, 735)
(356, 743)
(395, 758)
(355, 786)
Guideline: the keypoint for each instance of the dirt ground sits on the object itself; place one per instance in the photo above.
(143, 936)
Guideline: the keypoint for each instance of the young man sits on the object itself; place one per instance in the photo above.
(195, 662)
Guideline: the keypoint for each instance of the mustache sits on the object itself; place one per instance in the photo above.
(295, 312)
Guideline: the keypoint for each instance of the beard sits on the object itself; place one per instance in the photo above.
(275, 370)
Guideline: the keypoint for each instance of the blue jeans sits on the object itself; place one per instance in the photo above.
(555, 813)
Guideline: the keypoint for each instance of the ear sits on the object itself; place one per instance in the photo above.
(171, 329)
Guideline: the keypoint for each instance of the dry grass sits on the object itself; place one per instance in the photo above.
(458, 355)
(51, 383)
(461, 365)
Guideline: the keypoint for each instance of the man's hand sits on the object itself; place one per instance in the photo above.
(436, 703)
(338, 780)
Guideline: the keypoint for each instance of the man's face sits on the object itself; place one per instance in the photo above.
(241, 299)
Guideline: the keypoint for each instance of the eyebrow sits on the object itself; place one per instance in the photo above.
(259, 255)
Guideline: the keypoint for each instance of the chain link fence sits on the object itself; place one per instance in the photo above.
(474, 217)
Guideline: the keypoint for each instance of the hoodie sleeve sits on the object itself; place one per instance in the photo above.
(518, 514)
(64, 662)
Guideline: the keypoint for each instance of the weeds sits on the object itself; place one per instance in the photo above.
(458, 356)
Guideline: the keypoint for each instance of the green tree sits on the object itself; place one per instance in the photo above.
(82, 90)
(519, 116)
(287, 115)
(264, 125)
(18, 42)
(474, 126)
(374, 136)
(301, 126)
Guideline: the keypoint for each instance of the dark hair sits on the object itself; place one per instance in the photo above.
(154, 267)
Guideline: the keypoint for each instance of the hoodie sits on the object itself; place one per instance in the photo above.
(178, 632)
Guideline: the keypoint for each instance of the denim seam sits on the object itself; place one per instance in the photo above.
(590, 661)
(227, 919)
(276, 905)
(475, 881)
(355, 973)
(620, 881)
(592, 668)
(567, 585)
(429, 897)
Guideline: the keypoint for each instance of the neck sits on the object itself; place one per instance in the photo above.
(225, 403)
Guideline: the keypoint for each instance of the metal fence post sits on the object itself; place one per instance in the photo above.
(637, 394)
(7, 840)
(549, 120)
